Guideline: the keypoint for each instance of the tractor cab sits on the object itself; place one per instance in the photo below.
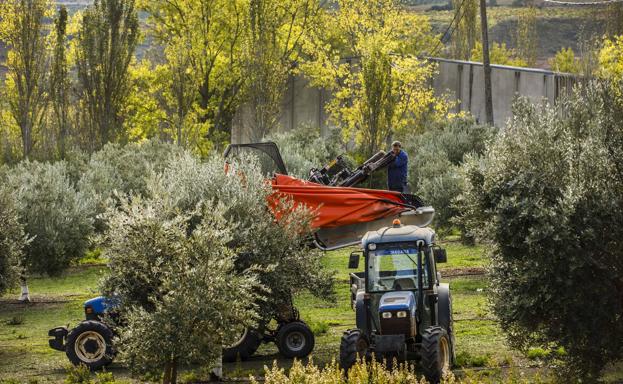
(402, 309)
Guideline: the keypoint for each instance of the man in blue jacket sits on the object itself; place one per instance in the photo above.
(397, 170)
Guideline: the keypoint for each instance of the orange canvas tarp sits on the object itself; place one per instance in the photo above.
(339, 206)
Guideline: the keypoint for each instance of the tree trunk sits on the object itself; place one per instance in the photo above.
(25, 295)
(166, 376)
(169, 375)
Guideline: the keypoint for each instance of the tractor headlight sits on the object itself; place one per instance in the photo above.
(401, 314)
(387, 315)
(372, 246)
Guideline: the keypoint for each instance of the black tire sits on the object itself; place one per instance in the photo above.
(244, 348)
(353, 345)
(435, 353)
(295, 339)
(445, 317)
(90, 344)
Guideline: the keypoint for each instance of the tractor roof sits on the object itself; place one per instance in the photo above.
(401, 233)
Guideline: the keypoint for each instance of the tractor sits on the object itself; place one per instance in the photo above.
(342, 221)
(402, 309)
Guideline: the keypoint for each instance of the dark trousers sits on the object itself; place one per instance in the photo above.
(402, 188)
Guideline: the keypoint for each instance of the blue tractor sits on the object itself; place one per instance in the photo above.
(402, 309)
(90, 343)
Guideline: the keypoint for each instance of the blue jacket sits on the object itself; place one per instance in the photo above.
(397, 170)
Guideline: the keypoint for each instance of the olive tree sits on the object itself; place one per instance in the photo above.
(57, 217)
(177, 283)
(436, 157)
(280, 246)
(547, 199)
(12, 242)
(121, 170)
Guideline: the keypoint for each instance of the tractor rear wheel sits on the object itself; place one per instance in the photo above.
(295, 339)
(244, 347)
(354, 345)
(436, 353)
(90, 344)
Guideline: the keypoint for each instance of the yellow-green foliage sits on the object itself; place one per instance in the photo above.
(565, 61)
(498, 54)
(611, 58)
(385, 89)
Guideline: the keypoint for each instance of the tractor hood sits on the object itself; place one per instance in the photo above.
(101, 304)
(344, 215)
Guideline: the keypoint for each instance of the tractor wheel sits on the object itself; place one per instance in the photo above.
(295, 339)
(90, 344)
(244, 348)
(354, 345)
(445, 317)
(435, 353)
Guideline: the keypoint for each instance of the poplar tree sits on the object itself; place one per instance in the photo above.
(274, 37)
(23, 29)
(105, 47)
(59, 90)
(527, 37)
(467, 31)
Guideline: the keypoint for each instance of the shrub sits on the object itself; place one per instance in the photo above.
(56, 217)
(361, 372)
(547, 198)
(565, 61)
(176, 279)
(12, 241)
(434, 160)
(258, 238)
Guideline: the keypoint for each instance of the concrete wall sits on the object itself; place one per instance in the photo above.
(462, 81)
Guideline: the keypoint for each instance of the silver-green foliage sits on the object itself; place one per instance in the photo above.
(548, 199)
(12, 241)
(435, 157)
(257, 237)
(123, 170)
(57, 217)
(176, 278)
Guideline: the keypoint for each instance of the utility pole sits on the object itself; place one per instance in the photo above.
(485, 62)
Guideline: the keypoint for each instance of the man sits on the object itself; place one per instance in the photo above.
(397, 170)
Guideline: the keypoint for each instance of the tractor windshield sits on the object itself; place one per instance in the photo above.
(394, 269)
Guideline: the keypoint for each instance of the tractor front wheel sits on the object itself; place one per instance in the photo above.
(436, 353)
(295, 339)
(90, 343)
(354, 345)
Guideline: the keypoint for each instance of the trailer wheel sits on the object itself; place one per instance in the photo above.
(244, 347)
(295, 339)
(90, 344)
(354, 345)
(436, 353)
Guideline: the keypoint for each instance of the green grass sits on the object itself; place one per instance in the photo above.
(25, 354)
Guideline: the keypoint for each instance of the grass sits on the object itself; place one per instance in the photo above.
(25, 354)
